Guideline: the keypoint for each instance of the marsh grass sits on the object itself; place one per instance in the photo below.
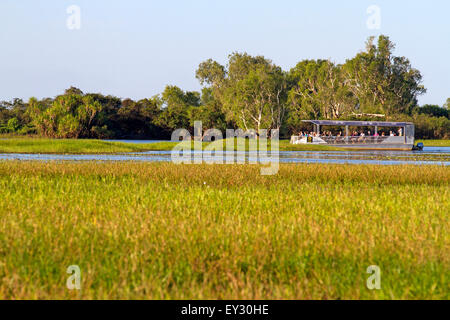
(435, 143)
(75, 146)
(163, 231)
(86, 146)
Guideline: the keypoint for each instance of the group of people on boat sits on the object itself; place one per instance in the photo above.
(354, 134)
(354, 137)
(379, 135)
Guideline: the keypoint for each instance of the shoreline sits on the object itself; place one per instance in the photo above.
(90, 146)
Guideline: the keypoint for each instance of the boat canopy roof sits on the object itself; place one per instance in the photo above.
(359, 123)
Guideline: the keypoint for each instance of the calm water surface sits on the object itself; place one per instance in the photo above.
(430, 155)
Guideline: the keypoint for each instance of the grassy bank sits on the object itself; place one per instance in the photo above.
(74, 146)
(81, 146)
(435, 143)
(140, 230)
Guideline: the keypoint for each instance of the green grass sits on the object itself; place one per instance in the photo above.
(435, 143)
(85, 146)
(162, 231)
(74, 146)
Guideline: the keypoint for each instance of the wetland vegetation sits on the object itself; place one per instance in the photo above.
(166, 231)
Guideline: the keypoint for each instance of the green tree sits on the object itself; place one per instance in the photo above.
(251, 90)
(319, 90)
(36, 112)
(382, 82)
(71, 115)
(209, 112)
(447, 104)
(73, 91)
(89, 114)
(211, 73)
(135, 119)
(5, 113)
(176, 105)
(433, 110)
(13, 125)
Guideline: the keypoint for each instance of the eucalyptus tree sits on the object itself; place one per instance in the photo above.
(382, 82)
(251, 90)
(319, 90)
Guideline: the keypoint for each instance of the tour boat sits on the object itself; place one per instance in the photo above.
(400, 137)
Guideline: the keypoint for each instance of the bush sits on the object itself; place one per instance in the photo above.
(433, 111)
(13, 125)
(26, 130)
(432, 127)
(101, 132)
(427, 127)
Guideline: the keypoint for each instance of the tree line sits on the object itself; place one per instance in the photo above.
(250, 92)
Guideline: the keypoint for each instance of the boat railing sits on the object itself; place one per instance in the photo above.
(355, 139)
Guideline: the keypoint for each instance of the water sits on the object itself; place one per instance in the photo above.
(430, 155)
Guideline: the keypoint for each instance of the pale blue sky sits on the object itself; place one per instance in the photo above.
(134, 48)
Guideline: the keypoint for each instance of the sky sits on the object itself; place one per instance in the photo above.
(134, 48)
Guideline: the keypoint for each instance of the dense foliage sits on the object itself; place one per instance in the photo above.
(248, 93)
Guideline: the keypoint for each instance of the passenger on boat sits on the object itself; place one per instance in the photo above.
(339, 138)
(361, 137)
